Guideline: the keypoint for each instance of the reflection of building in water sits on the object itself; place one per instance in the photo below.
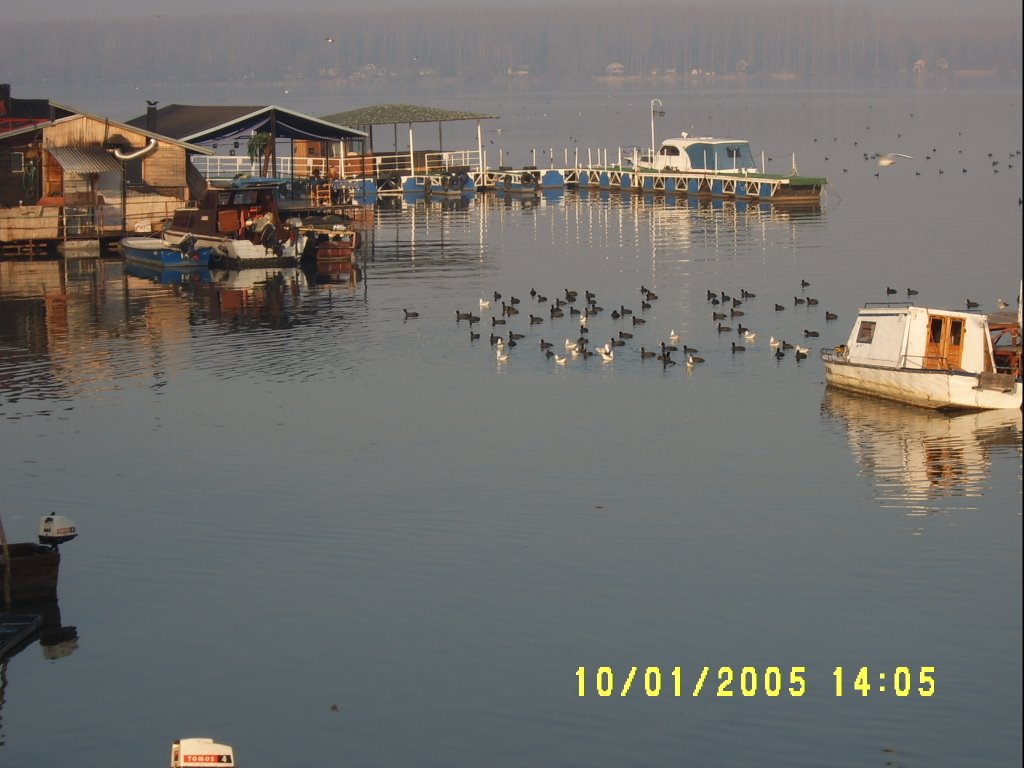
(69, 315)
(916, 457)
(68, 328)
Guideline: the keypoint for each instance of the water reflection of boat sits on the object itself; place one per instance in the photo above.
(56, 641)
(915, 455)
(18, 631)
(167, 275)
(339, 271)
(253, 294)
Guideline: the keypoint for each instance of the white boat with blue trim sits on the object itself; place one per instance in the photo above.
(160, 252)
(933, 358)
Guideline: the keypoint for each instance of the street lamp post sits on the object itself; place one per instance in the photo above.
(660, 113)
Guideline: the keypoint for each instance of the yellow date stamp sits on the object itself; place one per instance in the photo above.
(748, 682)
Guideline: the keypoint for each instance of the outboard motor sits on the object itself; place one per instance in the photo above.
(191, 752)
(187, 244)
(55, 530)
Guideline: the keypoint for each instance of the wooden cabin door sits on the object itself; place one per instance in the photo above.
(945, 346)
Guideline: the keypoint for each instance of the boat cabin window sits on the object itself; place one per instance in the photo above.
(956, 332)
(866, 332)
(669, 150)
(935, 330)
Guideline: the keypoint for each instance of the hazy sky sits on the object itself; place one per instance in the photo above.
(38, 10)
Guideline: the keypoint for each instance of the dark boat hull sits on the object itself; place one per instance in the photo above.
(34, 570)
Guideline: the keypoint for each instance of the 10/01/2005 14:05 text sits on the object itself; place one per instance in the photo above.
(751, 681)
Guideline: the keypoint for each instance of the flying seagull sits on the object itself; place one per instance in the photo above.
(890, 157)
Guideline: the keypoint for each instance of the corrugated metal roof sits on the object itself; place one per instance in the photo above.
(392, 114)
(85, 159)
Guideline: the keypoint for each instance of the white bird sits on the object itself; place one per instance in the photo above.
(606, 354)
(484, 304)
(502, 356)
(570, 344)
(1001, 303)
(500, 344)
(774, 343)
(559, 360)
(692, 360)
(802, 350)
(749, 336)
(890, 157)
(673, 336)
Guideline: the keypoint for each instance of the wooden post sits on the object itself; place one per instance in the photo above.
(7, 566)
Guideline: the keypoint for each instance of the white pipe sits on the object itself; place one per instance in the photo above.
(479, 147)
(146, 150)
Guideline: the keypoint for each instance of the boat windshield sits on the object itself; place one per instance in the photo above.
(720, 157)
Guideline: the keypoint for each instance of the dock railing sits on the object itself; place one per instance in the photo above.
(227, 167)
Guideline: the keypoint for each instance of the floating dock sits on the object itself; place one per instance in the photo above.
(754, 187)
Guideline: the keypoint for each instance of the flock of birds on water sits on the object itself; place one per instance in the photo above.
(727, 312)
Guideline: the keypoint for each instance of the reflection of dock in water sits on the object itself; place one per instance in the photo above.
(916, 457)
(37, 620)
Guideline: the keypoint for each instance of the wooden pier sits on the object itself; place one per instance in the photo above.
(753, 187)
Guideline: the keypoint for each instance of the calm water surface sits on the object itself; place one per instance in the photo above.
(329, 535)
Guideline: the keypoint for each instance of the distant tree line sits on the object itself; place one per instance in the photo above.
(565, 44)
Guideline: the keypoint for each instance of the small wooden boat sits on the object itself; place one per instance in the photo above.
(934, 358)
(159, 252)
(31, 570)
(325, 238)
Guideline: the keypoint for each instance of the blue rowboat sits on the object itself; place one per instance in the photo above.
(160, 252)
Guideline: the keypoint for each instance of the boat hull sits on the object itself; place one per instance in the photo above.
(153, 252)
(34, 571)
(943, 390)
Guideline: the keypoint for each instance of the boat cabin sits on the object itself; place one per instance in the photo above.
(704, 154)
(922, 339)
(246, 212)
